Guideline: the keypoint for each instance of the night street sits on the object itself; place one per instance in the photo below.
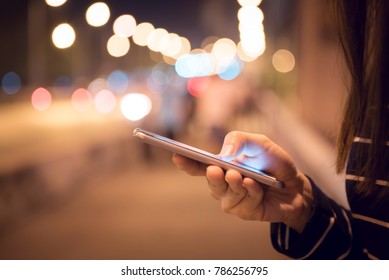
(72, 192)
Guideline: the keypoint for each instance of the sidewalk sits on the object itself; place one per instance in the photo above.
(141, 213)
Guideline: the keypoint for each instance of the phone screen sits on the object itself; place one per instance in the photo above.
(205, 157)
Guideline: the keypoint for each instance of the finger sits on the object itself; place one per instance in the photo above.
(192, 167)
(235, 182)
(250, 206)
(255, 191)
(235, 193)
(241, 145)
(217, 184)
(230, 149)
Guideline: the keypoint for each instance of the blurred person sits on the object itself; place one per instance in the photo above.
(305, 222)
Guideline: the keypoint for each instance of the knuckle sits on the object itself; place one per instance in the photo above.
(244, 215)
(191, 172)
(264, 139)
(226, 207)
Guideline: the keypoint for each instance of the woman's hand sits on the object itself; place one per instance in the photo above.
(247, 198)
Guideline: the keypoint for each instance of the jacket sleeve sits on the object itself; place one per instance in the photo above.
(327, 235)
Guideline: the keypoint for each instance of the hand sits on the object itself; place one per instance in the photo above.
(247, 198)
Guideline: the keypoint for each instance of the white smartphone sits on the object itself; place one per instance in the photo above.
(205, 157)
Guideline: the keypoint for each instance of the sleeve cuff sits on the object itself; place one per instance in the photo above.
(301, 246)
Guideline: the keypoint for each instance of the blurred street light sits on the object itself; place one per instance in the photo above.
(135, 106)
(118, 46)
(124, 26)
(11, 83)
(283, 61)
(55, 3)
(41, 99)
(63, 36)
(141, 33)
(98, 14)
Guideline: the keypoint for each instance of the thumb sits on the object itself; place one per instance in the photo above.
(258, 151)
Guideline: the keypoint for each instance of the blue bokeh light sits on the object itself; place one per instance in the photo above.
(194, 65)
(231, 71)
(118, 82)
(158, 81)
(11, 83)
(63, 82)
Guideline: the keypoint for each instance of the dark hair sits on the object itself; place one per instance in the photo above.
(362, 28)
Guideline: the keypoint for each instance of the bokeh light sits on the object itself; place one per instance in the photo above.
(41, 99)
(231, 71)
(141, 33)
(168, 59)
(174, 46)
(158, 40)
(135, 106)
(185, 48)
(195, 65)
(198, 86)
(81, 100)
(97, 85)
(242, 54)
(11, 83)
(124, 26)
(253, 43)
(251, 31)
(55, 3)
(118, 81)
(250, 16)
(224, 51)
(105, 101)
(118, 46)
(158, 81)
(63, 82)
(283, 61)
(249, 2)
(63, 36)
(97, 14)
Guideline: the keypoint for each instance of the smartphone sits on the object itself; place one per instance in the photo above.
(205, 157)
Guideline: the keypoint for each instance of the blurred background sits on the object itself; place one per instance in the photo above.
(78, 76)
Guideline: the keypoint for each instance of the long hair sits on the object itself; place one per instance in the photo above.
(362, 27)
